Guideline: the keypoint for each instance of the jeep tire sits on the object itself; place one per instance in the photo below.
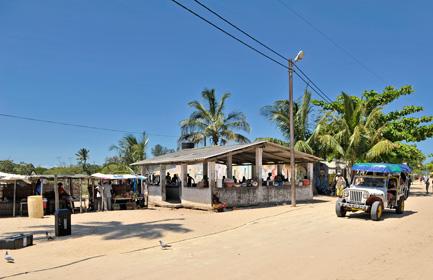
(376, 211)
(339, 210)
(400, 206)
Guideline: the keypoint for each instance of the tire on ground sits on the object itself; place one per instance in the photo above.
(339, 210)
(400, 206)
(376, 211)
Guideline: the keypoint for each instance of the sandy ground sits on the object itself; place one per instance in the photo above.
(306, 242)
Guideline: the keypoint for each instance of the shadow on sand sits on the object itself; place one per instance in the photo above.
(387, 214)
(114, 230)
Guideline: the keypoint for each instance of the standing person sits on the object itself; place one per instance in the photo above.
(98, 190)
(38, 187)
(106, 195)
(190, 180)
(340, 184)
(427, 183)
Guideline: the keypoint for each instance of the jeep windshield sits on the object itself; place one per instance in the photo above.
(369, 182)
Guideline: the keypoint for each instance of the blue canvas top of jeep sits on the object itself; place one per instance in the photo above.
(381, 167)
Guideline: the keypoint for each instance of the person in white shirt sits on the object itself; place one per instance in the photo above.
(106, 196)
(98, 190)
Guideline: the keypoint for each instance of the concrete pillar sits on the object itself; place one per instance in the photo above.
(258, 166)
(162, 182)
(262, 193)
(205, 169)
(229, 166)
(279, 169)
(310, 172)
(183, 178)
(211, 176)
(253, 171)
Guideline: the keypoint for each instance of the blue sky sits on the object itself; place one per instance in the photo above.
(134, 65)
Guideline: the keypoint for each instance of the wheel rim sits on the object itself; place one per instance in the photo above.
(379, 211)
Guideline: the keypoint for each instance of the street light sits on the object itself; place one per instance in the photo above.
(298, 57)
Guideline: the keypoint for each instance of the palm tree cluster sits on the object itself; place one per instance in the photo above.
(354, 133)
(131, 149)
(209, 122)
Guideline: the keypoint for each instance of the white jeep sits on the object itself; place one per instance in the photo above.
(373, 193)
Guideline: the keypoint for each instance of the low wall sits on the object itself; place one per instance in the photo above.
(154, 194)
(200, 198)
(248, 196)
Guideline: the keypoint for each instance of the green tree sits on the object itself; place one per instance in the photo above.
(354, 132)
(159, 150)
(116, 168)
(210, 122)
(7, 166)
(278, 113)
(400, 125)
(131, 149)
(82, 158)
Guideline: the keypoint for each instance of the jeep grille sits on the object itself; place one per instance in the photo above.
(355, 196)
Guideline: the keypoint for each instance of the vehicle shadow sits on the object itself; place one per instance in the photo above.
(418, 194)
(114, 230)
(387, 214)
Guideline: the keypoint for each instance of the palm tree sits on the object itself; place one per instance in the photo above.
(131, 149)
(82, 157)
(210, 122)
(279, 114)
(354, 134)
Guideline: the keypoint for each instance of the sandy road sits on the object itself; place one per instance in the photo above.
(308, 242)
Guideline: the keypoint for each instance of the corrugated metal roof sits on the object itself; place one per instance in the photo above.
(215, 152)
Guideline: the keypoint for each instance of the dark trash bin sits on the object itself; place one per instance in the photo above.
(63, 222)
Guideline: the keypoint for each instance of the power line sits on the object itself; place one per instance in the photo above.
(240, 30)
(262, 44)
(80, 125)
(319, 92)
(332, 41)
(229, 34)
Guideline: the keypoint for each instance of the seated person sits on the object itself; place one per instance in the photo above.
(269, 177)
(66, 197)
(175, 180)
(392, 186)
(168, 178)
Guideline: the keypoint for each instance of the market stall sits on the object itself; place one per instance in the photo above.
(127, 189)
(7, 178)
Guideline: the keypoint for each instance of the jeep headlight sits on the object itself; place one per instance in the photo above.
(365, 195)
(346, 193)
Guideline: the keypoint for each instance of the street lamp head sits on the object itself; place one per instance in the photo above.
(299, 56)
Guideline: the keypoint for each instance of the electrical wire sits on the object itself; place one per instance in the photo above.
(332, 41)
(80, 125)
(319, 92)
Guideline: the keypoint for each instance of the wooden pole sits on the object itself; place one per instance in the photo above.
(15, 198)
(56, 194)
(81, 192)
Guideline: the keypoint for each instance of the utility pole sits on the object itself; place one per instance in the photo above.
(292, 138)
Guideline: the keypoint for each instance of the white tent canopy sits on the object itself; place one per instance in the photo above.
(7, 177)
(116, 176)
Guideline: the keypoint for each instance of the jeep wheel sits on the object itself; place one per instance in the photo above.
(339, 210)
(376, 211)
(400, 206)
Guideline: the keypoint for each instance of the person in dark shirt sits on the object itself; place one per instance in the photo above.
(190, 180)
